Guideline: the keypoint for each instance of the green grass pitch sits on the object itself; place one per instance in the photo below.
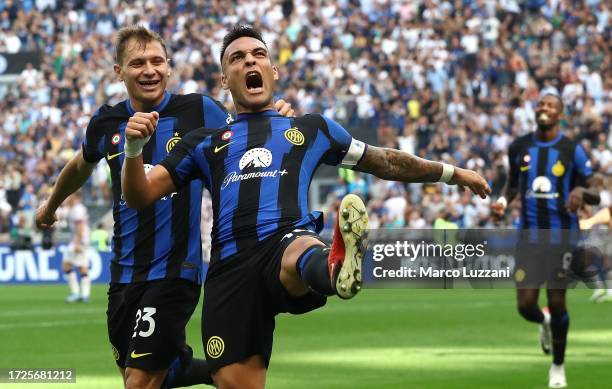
(381, 339)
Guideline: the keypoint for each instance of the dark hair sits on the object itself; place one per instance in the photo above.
(142, 35)
(240, 31)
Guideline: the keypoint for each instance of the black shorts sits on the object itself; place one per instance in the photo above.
(241, 301)
(538, 264)
(146, 321)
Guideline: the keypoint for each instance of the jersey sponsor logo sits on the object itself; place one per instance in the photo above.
(116, 138)
(219, 148)
(215, 347)
(134, 355)
(110, 156)
(294, 136)
(256, 158)
(541, 188)
(253, 160)
(558, 169)
(172, 142)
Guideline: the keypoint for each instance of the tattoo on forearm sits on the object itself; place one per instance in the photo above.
(395, 165)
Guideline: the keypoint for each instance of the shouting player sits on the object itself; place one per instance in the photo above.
(156, 267)
(266, 255)
(551, 174)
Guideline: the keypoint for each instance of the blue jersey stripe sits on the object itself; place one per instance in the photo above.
(311, 161)
(214, 115)
(129, 225)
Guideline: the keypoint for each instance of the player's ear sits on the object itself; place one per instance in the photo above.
(117, 70)
(275, 72)
(224, 82)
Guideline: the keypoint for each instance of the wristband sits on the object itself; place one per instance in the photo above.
(447, 173)
(502, 200)
(133, 147)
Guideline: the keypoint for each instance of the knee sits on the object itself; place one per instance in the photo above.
(235, 382)
(525, 309)
(556, 307)
(140, 379)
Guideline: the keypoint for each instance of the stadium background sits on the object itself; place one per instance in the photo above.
(447, 80)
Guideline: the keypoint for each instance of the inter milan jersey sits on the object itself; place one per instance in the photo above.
(258, 170)
(545, 173)
(162, 241)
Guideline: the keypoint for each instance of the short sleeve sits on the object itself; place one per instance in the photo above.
(345, 150)
(215, 115)
(186, 161)
(582, 163)
(93, 145)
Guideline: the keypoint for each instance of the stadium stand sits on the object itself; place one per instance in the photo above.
(450, 80)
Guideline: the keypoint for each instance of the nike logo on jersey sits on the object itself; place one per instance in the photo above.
(219, 148)
(111, 156)
(134, 355)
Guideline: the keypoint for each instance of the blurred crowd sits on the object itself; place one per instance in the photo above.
(448, 80)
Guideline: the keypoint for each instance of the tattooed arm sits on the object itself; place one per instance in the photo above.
(395, 165)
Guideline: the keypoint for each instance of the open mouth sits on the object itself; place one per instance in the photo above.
(149, 84)
(254, 82)
(543, 116)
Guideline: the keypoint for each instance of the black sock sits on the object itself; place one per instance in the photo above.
(187, 371)
(559, 324)
(532, 313)
(313, 270)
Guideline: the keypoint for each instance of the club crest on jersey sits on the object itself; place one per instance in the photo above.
(115, 139)
(227, 135)
(294, 136)
(172, 142)
(215, 347)
(558, 169)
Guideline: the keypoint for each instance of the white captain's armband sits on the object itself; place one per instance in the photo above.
(354, 153)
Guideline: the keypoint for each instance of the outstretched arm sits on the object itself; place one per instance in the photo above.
(71, 178)
(139, 188)
(395, 165)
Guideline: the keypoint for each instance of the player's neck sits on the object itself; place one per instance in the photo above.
(243, 109)
(145, 106)
(547, 134)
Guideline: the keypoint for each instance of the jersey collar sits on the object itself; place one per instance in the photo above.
(269, 112)
(157, 108)
(546, 144)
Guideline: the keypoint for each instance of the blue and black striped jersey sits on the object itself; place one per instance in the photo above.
(545, 173)
(162, 241)
(258, 170)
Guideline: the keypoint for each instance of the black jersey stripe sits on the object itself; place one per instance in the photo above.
(542, 204)
(244, 228)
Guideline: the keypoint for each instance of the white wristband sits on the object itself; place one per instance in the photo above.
(447, 173)
(502, 200)
(133, 147)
